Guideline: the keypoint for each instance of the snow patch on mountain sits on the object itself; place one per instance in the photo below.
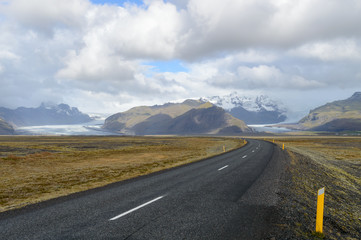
(250, 103)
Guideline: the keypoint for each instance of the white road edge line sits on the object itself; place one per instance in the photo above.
(222, 168)
(244, 156)
(136, 208)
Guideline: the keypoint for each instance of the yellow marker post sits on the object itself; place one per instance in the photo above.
(320, 204)
(244, 141)
(283, 146)
(273, 141)
(224, 149)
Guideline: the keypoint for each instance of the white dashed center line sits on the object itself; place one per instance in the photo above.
(244, 156)
(222, 168)
(135, 209)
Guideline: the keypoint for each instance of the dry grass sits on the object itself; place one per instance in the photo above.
(333, 163)
(34, 169)
(340, 156)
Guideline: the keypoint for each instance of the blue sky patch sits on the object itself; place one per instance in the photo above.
(167, 66)
(117, 2)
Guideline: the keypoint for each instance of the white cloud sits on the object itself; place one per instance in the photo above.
(58, 49)
(137, 32)
(255, 56)
(310, 20)
(234, 25)
(337, 50)
(113, 46)
(261, 77)
(224, 25)
(45, 15)
(93, 66)
(4, 54)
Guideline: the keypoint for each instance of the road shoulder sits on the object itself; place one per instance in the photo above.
(297, 202)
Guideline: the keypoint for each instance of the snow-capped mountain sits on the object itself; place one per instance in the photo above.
(250, 103)
(251, 109)
(46, 114)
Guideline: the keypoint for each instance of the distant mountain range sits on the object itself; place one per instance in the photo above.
(5, 128)
(44, 115)
(186, 118)
(222, 115)
(213, 115)
(252, 110)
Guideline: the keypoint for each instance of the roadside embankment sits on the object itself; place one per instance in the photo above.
(313, 163)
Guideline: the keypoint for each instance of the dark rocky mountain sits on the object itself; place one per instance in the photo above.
(187, 118)
(44, 115)
(252, 110)
(258, 117)
(343, 115)
(5, 128)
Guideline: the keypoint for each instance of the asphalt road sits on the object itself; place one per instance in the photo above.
(224, 197)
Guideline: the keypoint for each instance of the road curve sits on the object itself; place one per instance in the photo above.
(217, 198)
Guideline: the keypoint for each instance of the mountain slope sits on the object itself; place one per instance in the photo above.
(252, 110)
(5, 128)
(335, 116)
(125, 121)
(44, 115)
(261, 117)
(191, 117)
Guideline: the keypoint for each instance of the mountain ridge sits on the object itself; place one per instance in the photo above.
(189, 117)
(45, 114)
(340, 115)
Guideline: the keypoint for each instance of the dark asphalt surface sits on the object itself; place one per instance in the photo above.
(224, 197)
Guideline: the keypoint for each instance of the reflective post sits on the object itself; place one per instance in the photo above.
(320, 204)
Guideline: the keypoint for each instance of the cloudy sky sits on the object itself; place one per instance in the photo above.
(110, 55)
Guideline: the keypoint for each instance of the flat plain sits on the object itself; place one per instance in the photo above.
(38, 168)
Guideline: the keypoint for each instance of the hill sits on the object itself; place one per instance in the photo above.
(342, 115)
(189, 117)
(44, 115)
(5, 128)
